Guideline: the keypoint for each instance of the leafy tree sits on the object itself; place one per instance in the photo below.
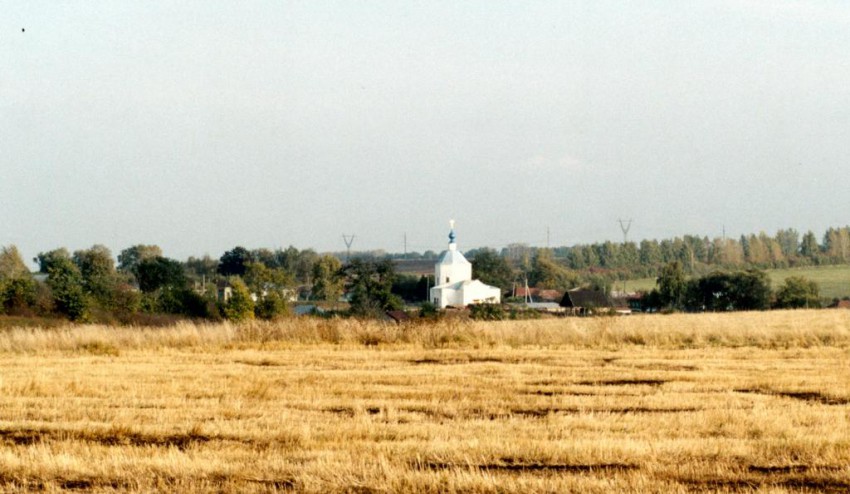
(546, 272)
(836, 244)
(98, 271)
(268, 285)
(157, 272)
(650, 253)
(328, 282)
(261, 279)
(492, 269)
(752, 290)
(671, 284)
(370, 285)
(240, 306)
(809, 246)
(129, 258)
(722, 291)
(798, 292)
(200, 268)
(66, 284)
(46, 259)
(234, 262)
(299, 264)
(789, 242)
(11, 264)
(17, 287)
(272, 306)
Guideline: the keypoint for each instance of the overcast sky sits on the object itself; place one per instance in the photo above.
(202, 125)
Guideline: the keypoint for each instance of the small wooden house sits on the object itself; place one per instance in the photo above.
(582, 302)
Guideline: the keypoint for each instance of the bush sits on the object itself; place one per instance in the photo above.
(487, 312)
(797, 292)
(240, 307)
(271, 307)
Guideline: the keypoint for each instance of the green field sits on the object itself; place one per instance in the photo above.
(834, 281)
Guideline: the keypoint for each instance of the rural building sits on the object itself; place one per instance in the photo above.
(538, 294)
(582, 302)
(454, 284)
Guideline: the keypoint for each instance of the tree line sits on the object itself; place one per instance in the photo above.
(601, 265)
(89, 284)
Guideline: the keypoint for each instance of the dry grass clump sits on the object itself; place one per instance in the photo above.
(727, 402)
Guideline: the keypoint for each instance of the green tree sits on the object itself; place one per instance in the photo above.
(751, 290)
(240, 306)
(234, 262)
(268, 286)
(789, 242)
(650, 253)
(46, 259)
(17, 287)
(157, 272)
(798, 292)
(130, 257)
(809, 247)
(66, 285)
(370, 285)
(546, 272)
(328, 282)
(98, 271)
(271, 306)
(261, 279)
(492, 269)
(204, 266)
(671, 285)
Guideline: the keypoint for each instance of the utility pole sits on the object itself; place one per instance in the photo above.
(625, 226)
(405, 245)
(348, 239)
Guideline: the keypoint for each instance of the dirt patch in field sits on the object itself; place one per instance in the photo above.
(810, 396)
(273, 483)
(548, 392)
(788, 469)
(666, 367)
(461, 360)
(805, 484)
(508, 465)
(543, 412)
(534, 413)
(350, 411)
(624, 382)
(26, 437)
(259, 363)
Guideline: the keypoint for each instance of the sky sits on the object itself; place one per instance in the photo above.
(202, 125)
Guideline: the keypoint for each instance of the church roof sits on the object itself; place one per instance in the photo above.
(452, 256)
(457, 285)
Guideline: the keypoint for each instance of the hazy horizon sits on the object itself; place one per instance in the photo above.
(200, 126)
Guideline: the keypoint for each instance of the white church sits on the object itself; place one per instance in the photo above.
(454, 286)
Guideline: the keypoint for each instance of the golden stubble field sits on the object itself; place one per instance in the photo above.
(679, 403)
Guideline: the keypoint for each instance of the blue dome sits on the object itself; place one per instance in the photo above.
(452, 236)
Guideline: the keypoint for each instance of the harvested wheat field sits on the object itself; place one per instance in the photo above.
(680, 403)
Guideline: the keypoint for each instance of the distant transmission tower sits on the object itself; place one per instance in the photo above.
(348, 239)
(625, 226)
